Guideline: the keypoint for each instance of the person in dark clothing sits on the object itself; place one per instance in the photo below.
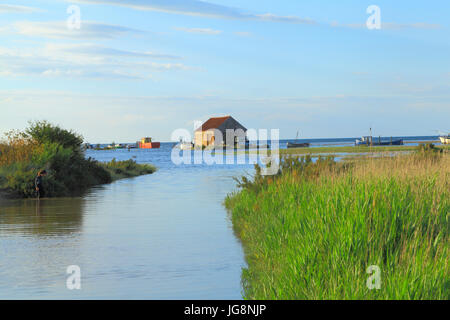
(40, 192)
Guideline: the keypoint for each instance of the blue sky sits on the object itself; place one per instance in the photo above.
(147, 67)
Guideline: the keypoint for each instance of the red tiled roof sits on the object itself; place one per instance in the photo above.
(213, 123)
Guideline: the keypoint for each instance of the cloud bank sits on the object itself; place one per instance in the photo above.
(10, 8)
(58, 30)
(199, 30)
(389, 26)
(83, 61)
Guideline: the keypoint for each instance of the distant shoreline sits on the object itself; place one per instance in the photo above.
(418, 139)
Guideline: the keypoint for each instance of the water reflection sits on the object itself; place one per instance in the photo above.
(46, 217)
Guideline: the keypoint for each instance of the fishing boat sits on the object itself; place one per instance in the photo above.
(298, 144)
(186, 146)
(255, 145)
(115, 146)
(445, 139)
(146, 143)
(183, 145)
(369, 141)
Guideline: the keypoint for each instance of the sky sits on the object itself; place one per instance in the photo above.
(139, 68)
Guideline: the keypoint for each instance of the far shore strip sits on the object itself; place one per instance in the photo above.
(334, 150)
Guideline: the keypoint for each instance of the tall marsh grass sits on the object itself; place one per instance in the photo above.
(312, 231)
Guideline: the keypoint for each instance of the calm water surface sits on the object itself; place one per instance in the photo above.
(161, 236)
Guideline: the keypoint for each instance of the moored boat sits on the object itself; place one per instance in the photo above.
(298, 145)
(113, 146)
(369, 141)
(146, 143)
(185, 146)
(445, 139)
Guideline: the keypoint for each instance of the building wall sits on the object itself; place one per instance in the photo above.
(206, 138)
(198, 138)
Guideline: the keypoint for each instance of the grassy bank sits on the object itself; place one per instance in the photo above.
(338, 151)
(43, 146)
(312, 231)
(352, 149)
(126, 169)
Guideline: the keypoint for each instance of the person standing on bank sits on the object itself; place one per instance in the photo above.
(40, 192)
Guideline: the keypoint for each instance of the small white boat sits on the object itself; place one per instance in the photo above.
(184, 145)
(445, 139)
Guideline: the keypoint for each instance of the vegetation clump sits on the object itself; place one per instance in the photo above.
(127, 169)
(429, 149)
(58, 151)
(313, 230)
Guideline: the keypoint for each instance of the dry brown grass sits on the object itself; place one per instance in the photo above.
(405, 167)
(17, 149)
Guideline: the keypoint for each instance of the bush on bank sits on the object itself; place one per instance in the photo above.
(58, 151)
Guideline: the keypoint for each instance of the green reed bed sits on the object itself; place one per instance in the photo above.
(312, 231)
(127, 169)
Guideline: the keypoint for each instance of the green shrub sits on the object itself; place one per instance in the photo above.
(46, 133)
(22, 182)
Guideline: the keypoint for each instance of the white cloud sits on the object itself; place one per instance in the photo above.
(286, 19)
(58, 29)
(212, 10)
(199, 30)
(197, 8)
(83, 60)
(9, 8)
(388, 26)
(336, 24)
(93, 50)
(419, 25)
